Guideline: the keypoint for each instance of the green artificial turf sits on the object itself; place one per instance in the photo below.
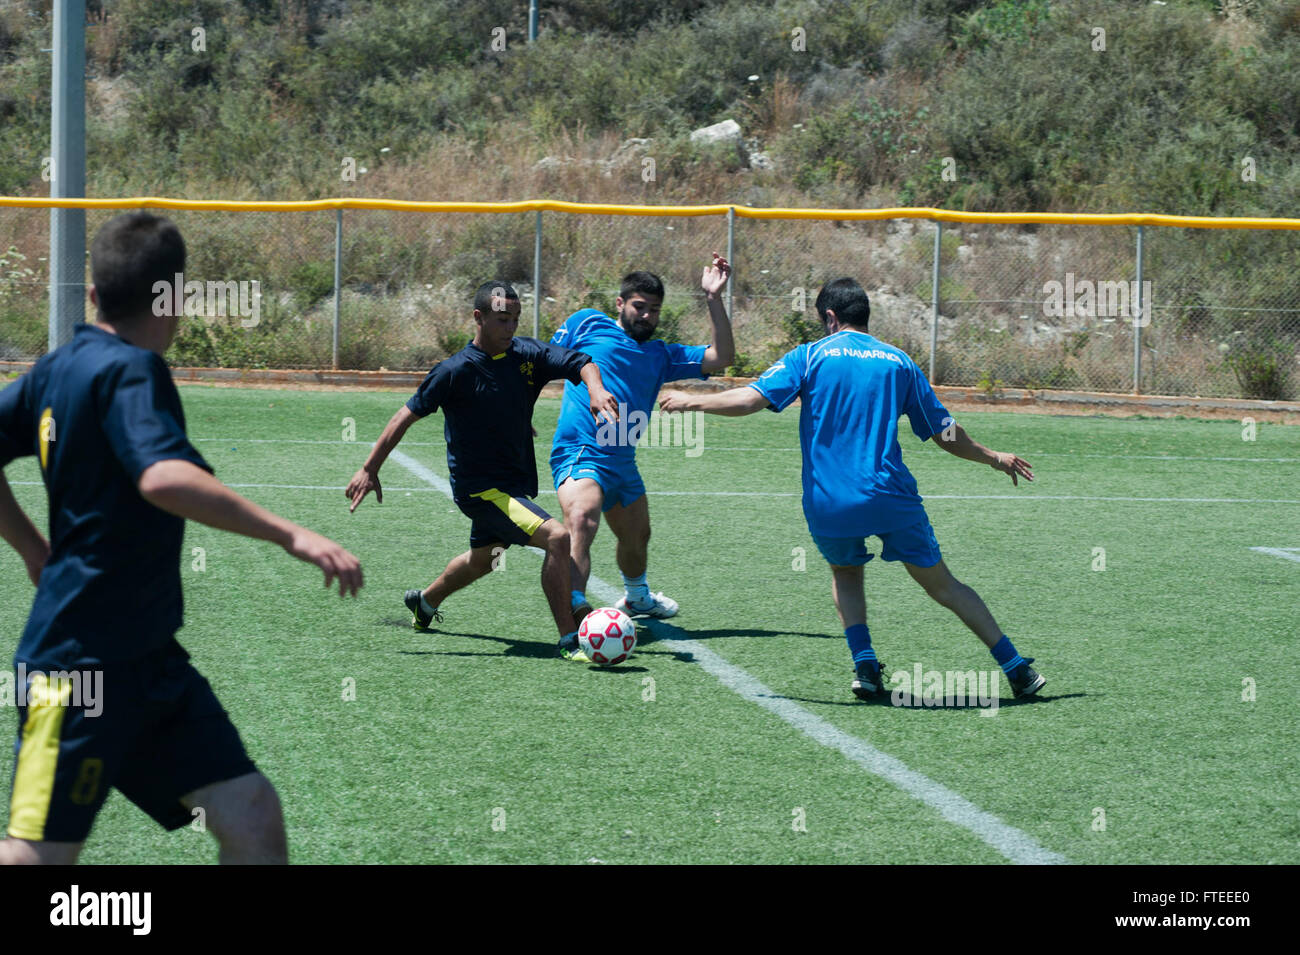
(478, 745)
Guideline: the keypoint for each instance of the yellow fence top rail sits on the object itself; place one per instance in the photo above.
(588, 208)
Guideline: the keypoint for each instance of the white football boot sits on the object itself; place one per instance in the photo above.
(660, 607)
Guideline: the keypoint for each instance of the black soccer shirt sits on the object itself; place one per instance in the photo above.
(487, 402)
(97, 412)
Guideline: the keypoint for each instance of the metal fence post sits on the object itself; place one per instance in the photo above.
(338, 278)
(934, 300)
(731, 259)
(68, 174)
(1137, 322)
(537, 274)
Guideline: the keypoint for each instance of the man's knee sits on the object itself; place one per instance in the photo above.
(582, 523)
(266, 820)
(552, 537)
(632, 525)
(944, 588)
(557, 538)
(482, 558)
(244, 815)
(254, 805)
(22, 852)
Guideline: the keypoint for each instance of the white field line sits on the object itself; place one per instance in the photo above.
(1040, 454)
(929, 497)
(1027, 454)
(1286, 553)
(420, 471)
(995, 497)
(1010, 842)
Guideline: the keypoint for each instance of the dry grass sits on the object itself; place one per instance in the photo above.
(1239, 25)
(407, 276)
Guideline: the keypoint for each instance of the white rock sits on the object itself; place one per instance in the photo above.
(727, 131)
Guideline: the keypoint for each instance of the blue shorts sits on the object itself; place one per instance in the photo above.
(155, 732)
(913, 545)
(620, 481)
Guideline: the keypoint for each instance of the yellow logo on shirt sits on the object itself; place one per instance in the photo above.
(526, 369)
(46, 432)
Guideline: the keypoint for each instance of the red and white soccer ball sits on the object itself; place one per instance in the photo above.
(607, 636)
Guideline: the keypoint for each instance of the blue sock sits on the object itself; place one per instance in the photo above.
(1005, 653)
(638, 591)
(577, 598)
(859, 638)
(570, 640)
(424, 605)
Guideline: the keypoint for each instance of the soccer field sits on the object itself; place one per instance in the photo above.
(1131, 569)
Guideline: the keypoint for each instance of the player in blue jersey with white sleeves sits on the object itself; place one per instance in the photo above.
(853, 389)
(594, 467)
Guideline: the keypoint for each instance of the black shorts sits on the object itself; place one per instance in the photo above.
(151, 728)
(500, 518)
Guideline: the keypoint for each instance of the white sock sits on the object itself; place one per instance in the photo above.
(638, 591)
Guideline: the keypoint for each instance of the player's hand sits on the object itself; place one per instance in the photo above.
(1014, 465)
(673, 401)
(604, 406)
(715, 275)
(362, 483)
(328, 556)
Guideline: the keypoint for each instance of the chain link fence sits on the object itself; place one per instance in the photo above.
(1214, 312)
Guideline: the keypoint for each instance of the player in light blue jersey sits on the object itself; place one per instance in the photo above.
(594, 466)
(853, 389)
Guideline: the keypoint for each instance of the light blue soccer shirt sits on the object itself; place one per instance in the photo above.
(633, 372)
(854, 388)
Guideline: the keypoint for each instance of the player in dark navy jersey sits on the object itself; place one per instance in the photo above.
(104, 419)
(487, 392)
(853, 389)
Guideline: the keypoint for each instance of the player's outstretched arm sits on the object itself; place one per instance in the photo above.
(734, 402)
(367, 478)
(186, 490)
(962, 445)
(722, 350)
(603, 404)
(20, 533)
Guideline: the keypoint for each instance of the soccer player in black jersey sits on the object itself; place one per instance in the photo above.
(487, 391)
(103, 416)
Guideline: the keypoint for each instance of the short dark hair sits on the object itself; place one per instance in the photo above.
(495, 289)
(131, 253)
(847, 299)
(647, 283)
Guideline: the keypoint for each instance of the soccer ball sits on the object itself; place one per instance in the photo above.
(607, 636)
